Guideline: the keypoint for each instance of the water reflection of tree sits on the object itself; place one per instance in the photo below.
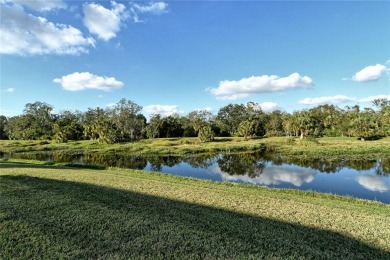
(156, 162)
(201, 160)
(240, 164)
(383, 167)
(116, 160)
(361, 165)
(386, 165)
(323, 165)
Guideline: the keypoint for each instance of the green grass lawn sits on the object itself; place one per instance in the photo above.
(50, 211)
(324, 147)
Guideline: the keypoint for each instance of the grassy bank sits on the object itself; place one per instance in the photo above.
(61, 212)
(324, 147)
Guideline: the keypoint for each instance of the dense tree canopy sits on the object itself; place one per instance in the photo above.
(125, 122)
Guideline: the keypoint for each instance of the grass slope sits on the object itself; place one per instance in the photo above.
(47, 211)
(325, 147)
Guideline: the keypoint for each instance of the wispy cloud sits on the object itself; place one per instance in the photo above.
(10, 90)
(84, 80)
(111, 105)
(327, 100)
(372, 98)
(235, 89)
(208, 109)
(155, 8)
(40, 5)
(152, 7)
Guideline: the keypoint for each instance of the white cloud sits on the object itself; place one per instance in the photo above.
(231, 90)
(370, 73)
(372, 98)
(152, 7)
(269, 106)
(40, 5)
(10, 90)
(85, 80)
(208, 109)
(103, 22)
(373, 183)
(9, 113)
(326, 100)
(272, 176)
(111, 105)
(25, 34)
(164, 110)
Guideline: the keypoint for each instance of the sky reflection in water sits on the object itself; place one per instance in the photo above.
(368, 179)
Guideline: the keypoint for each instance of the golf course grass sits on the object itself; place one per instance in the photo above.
(53, 211)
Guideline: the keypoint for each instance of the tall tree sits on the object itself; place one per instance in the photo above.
(229, 117)
(41, 120)
(3, 123)
(153, 129)
(98, 125)
(67, 126)
(274, 123)
(199, 118)
(128, 120)
(171, 127)
(363, 125)
(246, 128)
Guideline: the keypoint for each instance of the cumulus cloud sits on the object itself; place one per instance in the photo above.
(272, 176)
(370, 73)
(10, 90)
(164, 110)
(372, 98)
(373, 183)
(25, 34)
(40, 5)
(155, 8)
(84, 80)
(326, 100)
(103, 22)
(235, 89)
(269, 106)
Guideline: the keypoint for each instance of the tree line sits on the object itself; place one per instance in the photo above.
(124, 122)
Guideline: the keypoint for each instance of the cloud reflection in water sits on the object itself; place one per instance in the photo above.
(373, 183)
(272, 176)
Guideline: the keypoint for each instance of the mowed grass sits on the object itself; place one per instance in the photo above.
(161, 146)
(325, 147)
(49, 211)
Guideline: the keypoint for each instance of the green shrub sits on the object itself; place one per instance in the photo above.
(309, 141)
(206, 134)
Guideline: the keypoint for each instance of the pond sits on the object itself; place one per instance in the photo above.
(367, 179)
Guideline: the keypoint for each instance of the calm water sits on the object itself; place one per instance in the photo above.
(368, 179)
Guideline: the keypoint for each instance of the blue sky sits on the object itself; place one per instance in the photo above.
(178, 56)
